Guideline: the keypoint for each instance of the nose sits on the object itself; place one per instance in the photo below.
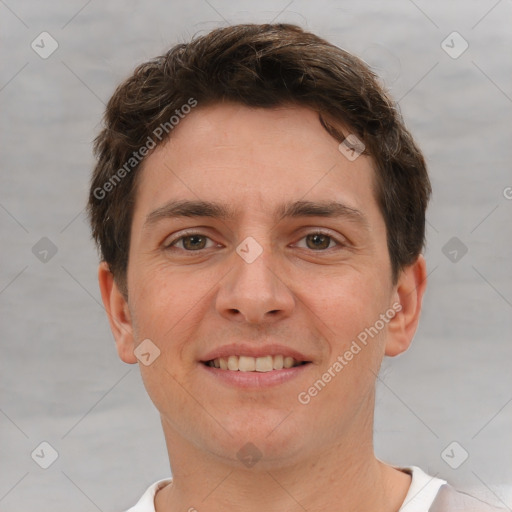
(255, 291)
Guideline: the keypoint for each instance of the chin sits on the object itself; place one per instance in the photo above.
(260, 444)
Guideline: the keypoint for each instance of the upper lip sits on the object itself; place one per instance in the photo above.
(244, 349)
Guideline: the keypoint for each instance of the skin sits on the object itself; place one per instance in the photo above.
(317, 456)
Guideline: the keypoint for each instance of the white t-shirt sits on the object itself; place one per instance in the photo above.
(422, 494)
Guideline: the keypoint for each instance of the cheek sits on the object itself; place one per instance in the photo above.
(348, 303)
(168, 305)
(349, 317)
(162, 312)
(347, 313)
(159, 299)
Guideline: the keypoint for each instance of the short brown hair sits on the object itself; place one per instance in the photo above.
(263, 66)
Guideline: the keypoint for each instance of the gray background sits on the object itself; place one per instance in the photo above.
(61, 379)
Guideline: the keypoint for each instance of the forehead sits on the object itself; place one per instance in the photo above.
(253, 159)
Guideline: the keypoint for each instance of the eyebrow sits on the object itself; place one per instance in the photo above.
(224, 212)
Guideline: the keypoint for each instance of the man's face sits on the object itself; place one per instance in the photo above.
(259, 284)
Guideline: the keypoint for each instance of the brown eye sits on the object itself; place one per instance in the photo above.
(317, 241)
(194, 242)
(190, 243)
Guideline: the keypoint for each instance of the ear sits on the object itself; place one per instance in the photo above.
(409, 294)
(118, 314)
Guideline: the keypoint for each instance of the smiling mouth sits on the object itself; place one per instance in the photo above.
(254, 364)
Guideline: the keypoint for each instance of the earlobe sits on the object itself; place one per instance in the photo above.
(118, 314)
(409, 294)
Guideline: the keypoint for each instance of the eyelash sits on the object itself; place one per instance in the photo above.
(186, 234)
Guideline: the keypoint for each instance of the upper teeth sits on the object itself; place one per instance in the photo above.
(251, 364)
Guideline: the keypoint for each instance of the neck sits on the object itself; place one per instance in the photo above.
(346, 476)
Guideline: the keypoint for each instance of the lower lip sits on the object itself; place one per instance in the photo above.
(256, 379)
